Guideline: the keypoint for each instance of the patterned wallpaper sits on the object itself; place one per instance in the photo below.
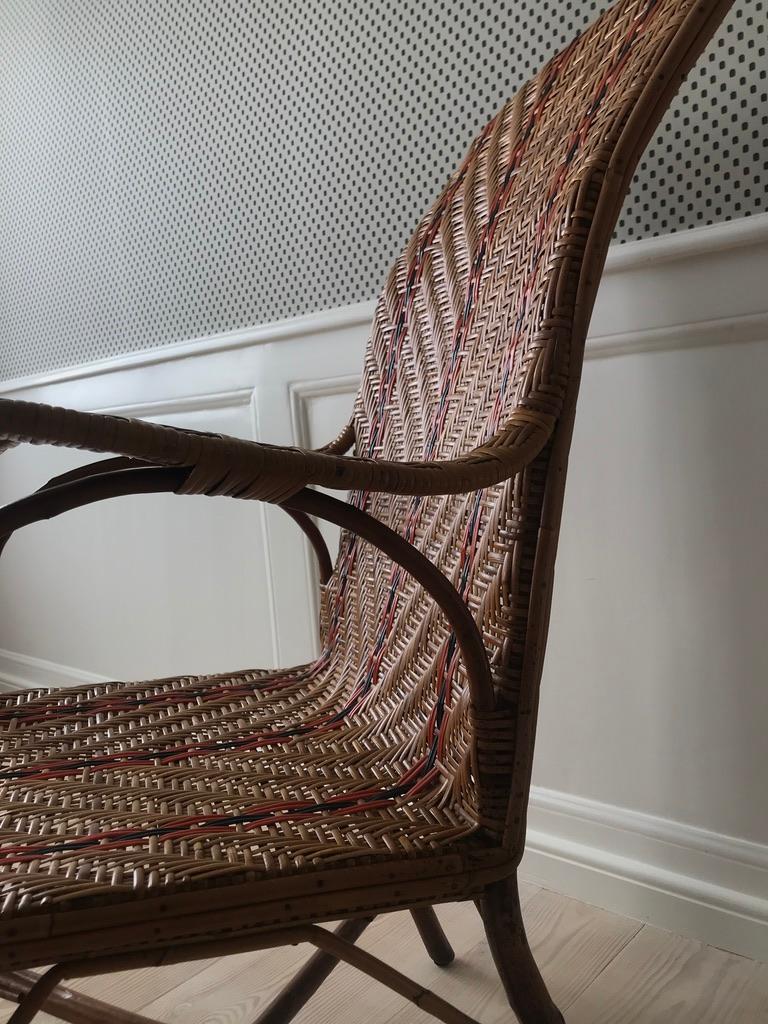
(180, 168)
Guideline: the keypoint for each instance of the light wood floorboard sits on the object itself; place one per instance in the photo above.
(601, 969)
(661, 978)
(572, 943)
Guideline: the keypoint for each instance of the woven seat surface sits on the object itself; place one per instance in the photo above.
(126, 790)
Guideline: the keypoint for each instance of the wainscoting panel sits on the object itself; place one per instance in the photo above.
(651, 765)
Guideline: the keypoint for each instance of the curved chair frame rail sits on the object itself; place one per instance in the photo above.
(46, 990)
(305, 522)
(114, 478)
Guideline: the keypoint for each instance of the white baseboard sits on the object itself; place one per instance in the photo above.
(701, 884)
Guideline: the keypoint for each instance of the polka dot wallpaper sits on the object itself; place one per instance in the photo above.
(179, 168)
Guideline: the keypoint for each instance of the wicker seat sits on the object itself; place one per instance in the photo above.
(218, 776)
(149, 822)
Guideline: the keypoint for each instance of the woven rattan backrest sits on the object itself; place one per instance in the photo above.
(484, 314)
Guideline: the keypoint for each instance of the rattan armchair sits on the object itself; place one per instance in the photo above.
(146, 823)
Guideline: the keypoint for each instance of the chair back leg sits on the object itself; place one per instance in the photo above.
(433, 936)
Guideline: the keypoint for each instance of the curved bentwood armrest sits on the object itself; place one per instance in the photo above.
(248, 469)
(123, 477)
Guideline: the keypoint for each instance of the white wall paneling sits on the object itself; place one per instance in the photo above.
(651, 764)
(208, 585)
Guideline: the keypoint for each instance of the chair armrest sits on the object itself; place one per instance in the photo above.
(246, 469)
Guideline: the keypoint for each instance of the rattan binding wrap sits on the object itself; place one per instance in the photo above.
(372, 758)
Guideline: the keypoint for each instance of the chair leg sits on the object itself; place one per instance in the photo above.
(524, 985)
(300, 989)
(433, 936)
(36, 996)
(67, 1004)
(425, 999)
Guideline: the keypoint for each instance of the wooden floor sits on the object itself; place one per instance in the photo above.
(601, 969)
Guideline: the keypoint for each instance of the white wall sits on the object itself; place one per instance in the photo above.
(651, 767)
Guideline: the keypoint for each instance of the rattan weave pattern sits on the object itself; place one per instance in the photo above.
(116, 792)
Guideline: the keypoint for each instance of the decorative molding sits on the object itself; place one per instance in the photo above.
(271, 570)
(673, 833)
(301, 394)
(205, 403)
(321, 322)
(685, 245)
(702, 334)
(22, 671)
(184, 404)
(627, 258)
(709, 886)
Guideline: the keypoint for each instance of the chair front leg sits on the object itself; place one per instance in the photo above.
(525, 988)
